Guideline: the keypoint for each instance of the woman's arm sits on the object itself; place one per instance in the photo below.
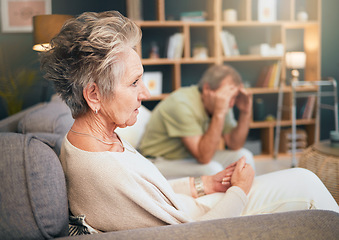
(236, 174)
(181, 185)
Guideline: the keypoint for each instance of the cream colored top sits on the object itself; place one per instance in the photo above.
(124, 190)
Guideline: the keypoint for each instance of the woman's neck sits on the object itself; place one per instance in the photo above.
(91, 133)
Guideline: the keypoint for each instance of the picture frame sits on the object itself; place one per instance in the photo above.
(267, 10)
(17, 15)
(153, 82)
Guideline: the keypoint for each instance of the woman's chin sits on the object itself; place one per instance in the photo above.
(129, 123)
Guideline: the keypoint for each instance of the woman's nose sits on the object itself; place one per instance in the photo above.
(144, 94)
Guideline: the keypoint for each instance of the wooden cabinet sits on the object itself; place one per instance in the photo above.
(162, 19)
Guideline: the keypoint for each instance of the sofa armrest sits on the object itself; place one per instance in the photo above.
(307, 224)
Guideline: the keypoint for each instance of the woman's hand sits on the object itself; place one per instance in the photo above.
(219, 182)
(243, 175)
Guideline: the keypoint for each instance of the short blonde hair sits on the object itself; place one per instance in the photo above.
(88, 50)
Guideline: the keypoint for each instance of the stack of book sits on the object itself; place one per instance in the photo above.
(269, 76)
(229, 43)
(196, 16)
(285, 143)
(175, 46)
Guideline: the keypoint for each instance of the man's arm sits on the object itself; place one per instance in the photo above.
(237, 137)
(203, 147)
(217, 103)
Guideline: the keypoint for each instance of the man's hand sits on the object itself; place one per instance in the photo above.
(244, 101)
(218, 101)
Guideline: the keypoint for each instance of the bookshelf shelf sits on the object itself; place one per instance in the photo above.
(248, 31)
(242, 58)
(251, 24)
(175, 24)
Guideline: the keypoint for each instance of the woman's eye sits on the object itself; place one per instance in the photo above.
(135, 83)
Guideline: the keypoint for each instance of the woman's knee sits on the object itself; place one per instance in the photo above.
(307, 175)
(306, 180)
(304, 173)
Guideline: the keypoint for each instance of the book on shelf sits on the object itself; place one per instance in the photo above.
(175, 46)
(309, 107)
(275, 75)
(262, 76)
(265, 76)
(269, 76)
(195, 16)
(134, 9)
(229, 43)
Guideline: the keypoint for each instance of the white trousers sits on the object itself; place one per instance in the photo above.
(281, 191)
(190, 167)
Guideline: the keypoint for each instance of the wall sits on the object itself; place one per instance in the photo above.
(16, 48)
(18, 53)
(330, 56)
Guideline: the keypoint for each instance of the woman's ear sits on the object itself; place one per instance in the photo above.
(92, 96)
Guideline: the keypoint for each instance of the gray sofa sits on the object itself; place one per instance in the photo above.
(33, 193)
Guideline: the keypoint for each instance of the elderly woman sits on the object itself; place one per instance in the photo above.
(98, 74)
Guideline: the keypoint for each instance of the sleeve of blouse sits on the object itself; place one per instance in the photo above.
(181, 186)
(231, 205)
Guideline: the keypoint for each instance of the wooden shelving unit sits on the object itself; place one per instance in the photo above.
(248, 31)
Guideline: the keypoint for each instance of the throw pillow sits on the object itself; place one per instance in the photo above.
(54, 117)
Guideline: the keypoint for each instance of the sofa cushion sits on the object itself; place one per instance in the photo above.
(54, 117)
(133, 134)
(33, 189)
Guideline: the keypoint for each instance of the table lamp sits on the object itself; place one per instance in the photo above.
(295, 61)
(45, 27)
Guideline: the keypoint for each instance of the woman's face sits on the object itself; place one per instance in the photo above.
(122, 109)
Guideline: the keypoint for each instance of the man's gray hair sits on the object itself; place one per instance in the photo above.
(88, 50)
(214, 75)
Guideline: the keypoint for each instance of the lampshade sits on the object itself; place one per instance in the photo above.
(45, 27)
(295, 60)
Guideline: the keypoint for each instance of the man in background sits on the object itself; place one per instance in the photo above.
(184, 133)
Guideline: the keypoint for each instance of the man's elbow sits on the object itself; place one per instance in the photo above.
(235, 147)
(204, 160)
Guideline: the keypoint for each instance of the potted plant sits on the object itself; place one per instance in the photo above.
(14, 85)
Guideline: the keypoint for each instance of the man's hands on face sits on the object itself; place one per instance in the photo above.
(244, 101)
(218, 101)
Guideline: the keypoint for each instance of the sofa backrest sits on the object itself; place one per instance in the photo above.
(33, 190)
(53, 120)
